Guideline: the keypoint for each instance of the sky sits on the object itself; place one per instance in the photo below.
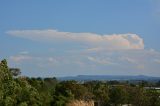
(46, 38)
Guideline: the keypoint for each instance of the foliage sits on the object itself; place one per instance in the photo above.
(117, 95)
(16, 92)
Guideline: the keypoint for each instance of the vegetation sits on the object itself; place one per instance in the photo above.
(23, 91)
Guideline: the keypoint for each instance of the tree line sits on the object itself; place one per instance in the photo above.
(24, 91)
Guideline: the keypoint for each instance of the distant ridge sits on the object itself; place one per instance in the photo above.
(108, 77)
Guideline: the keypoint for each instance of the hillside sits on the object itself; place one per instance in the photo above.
(108, 77)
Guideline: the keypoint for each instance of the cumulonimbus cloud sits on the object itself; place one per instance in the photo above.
(114, 41)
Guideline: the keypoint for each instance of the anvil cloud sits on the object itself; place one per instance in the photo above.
(109, 42)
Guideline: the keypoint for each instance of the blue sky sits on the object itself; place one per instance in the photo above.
(72, 37)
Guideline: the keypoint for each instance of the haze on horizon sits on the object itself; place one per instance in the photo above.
(86, 37)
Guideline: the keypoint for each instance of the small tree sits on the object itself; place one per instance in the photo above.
(117, 95)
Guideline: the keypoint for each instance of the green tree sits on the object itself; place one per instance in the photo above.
(117, 95)
(137, 96)
(101, 93)
(61, 95)
(153, 97)
(14, 92)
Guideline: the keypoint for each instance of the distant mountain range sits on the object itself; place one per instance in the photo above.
(108, 77)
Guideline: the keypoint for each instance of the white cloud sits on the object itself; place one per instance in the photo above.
(35, 60)
(103, 54)
(128, 59)
(20, 58)
(98, 60)
(157, 61)
(53, 60)
(109, 42)
(102, 62)
(24, 52)
(141, 67)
